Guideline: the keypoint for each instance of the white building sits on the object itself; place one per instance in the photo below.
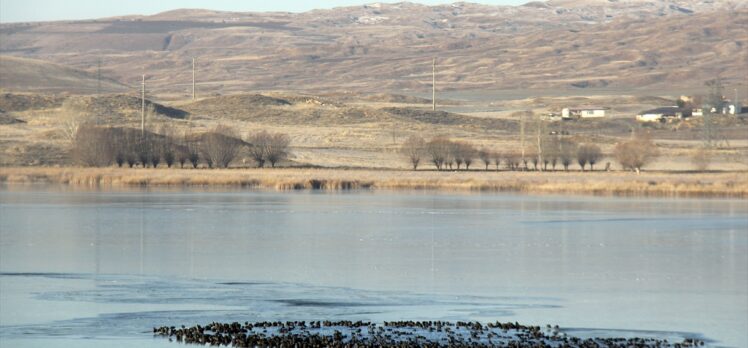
(667, 113)
(649, 117)
(583, 112)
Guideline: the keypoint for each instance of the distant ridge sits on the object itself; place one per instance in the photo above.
(387, 48)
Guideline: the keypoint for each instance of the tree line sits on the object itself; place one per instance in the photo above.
(99, 146)
(549, 153)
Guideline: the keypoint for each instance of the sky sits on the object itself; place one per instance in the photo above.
(48, 10)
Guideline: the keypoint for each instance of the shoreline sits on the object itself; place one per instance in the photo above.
(655, 184)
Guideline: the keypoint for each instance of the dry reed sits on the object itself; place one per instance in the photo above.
(729, 184)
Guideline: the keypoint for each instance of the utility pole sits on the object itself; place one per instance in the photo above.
(193, 79)
(394, 133)
(539, 131)
(98, 78)
(433, 85)
(522, 135)
(142, 108)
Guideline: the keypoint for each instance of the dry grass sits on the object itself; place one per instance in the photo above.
(732, 184)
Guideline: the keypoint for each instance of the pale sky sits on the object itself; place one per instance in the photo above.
(48, 10)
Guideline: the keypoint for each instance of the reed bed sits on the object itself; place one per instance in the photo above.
(683, 184)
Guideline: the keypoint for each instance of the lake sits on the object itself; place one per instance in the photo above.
(101, 268)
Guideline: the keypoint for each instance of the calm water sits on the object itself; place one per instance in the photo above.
(91, 269)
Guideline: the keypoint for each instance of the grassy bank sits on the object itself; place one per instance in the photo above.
(733, 184)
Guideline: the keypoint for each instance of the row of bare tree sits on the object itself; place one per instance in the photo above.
(444, 153)
(100, 146)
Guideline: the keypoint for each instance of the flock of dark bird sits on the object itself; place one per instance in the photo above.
(400, 334)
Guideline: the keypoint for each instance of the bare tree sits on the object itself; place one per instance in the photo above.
(277, 148)
(588, 153)
(413, 149)
(189, 149)
(496, 158)
(533, 158)
(130, 146)
(180, 149)
(438, 150)
(456, 149)
(157, 150)
(450, 156)
(551, 153)
(581, 157)
(467, 154)
(567, 151)
(635, 153)
(168, 146)
(258, 147)
(220, 146)
(193, 153)
(144, 149)
(485, 157)
(93, 146)
(512, 160)
(72, 117)
(119, 140)
(268, 147)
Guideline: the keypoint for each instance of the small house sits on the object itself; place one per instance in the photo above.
(583, 112)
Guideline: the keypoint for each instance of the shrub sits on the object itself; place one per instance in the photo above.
(636, 153)
(701, 158)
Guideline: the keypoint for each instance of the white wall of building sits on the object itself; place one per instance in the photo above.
(583, 113)
(593, 113)
(649, 117)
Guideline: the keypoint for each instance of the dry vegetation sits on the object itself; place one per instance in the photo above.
(600, 183)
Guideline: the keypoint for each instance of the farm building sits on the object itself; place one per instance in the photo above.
(583, 112)
(664, 114)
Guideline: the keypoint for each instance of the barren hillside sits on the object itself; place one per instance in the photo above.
(568, 44)
(37, 75)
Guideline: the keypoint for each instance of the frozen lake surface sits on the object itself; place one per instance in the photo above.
(91, 269)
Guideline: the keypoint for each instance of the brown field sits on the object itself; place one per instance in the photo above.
(352, 131)
(678, 184)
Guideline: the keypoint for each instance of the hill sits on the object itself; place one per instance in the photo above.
(388, 48)
(38, 75)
